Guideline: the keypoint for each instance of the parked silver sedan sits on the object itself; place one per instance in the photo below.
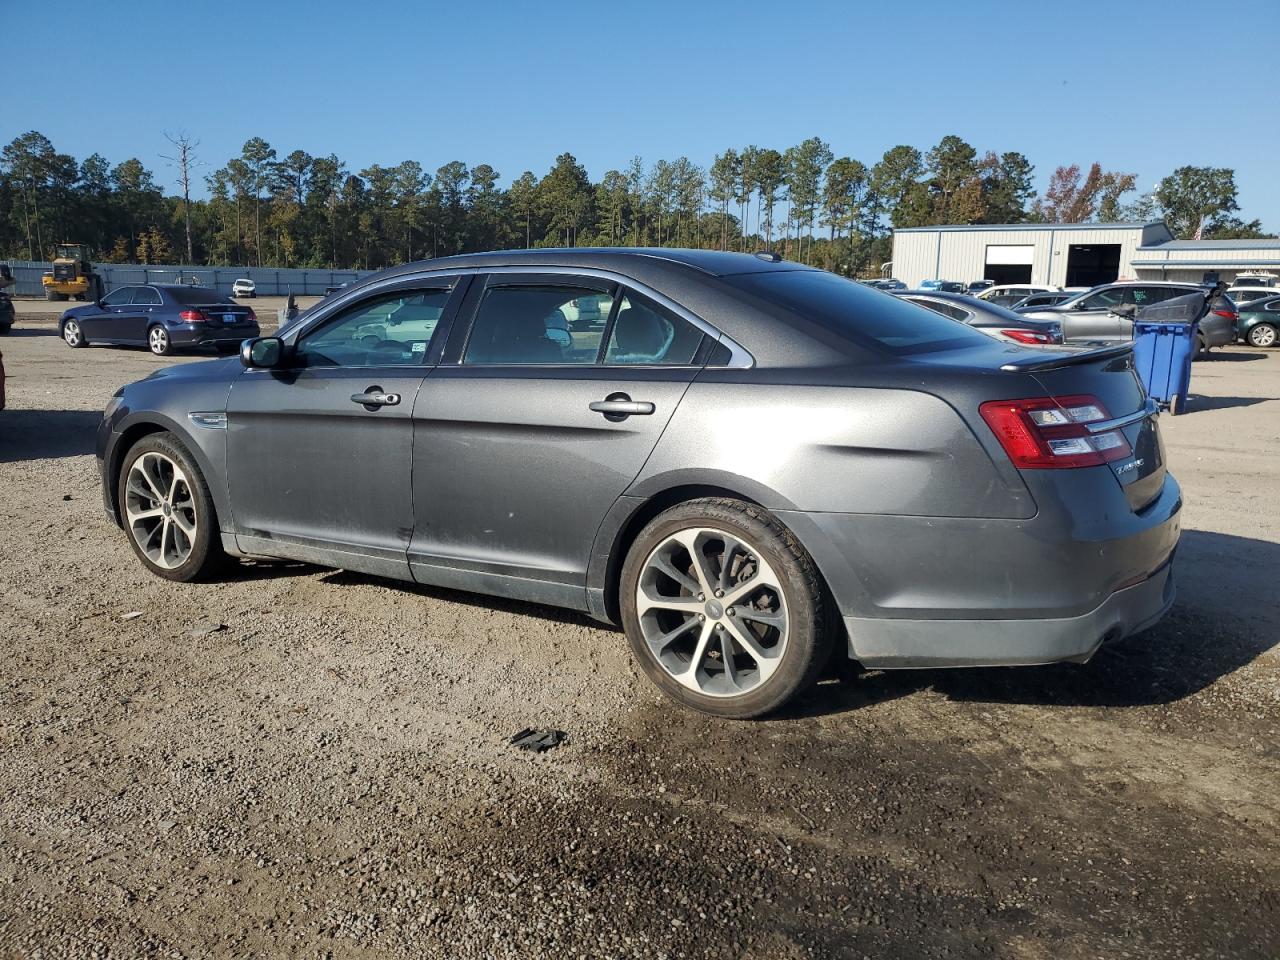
(748, 462)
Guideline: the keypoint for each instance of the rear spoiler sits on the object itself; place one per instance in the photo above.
(1034, 364)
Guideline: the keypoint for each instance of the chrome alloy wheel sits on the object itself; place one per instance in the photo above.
(71, 333)
(160, 510)
(712, 612)
(158, 340)
(1263, 335)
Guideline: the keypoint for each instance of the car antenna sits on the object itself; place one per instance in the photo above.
(769, 255)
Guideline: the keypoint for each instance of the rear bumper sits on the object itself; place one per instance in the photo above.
(209, 335)
(888, 644)
(956, 591)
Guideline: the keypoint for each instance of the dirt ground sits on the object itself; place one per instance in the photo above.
(303, 762)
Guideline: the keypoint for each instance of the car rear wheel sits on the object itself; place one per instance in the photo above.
(72, 334)
(167, 511)
(724, 609)
(158, 341)
(1262, 335)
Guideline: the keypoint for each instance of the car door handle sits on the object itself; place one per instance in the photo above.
(616, 406)
(374, 397)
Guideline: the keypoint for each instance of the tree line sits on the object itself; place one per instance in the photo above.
(269, 208)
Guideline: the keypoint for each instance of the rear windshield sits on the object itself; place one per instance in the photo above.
(867, 317)
(196, 296)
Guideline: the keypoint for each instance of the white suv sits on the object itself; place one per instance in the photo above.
(244, 288)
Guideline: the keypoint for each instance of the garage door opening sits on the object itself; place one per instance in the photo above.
(1008, 263)
(1089, 266)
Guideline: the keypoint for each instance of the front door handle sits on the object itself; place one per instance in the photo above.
(619, 406)
(374, 397)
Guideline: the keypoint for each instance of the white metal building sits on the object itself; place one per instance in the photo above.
(1070, 254)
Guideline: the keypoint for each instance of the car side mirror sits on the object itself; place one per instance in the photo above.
(262, 353)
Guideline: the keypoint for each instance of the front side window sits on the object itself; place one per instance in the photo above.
(394, 329)
(645, 334)
(119, 298)
(1105, 299)
(531, 324)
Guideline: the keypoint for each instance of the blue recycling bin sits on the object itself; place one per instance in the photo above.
(1162, 354)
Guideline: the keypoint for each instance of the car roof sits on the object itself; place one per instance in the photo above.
(714, 263)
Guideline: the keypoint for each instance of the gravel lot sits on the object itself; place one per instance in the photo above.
(302, 762)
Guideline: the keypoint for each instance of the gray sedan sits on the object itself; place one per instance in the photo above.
(748, 462)
(1105, 313)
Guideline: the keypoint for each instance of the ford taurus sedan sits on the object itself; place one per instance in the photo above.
(748, 462)
(162, 317)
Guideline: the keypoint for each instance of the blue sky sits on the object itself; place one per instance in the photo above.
(1138, 86)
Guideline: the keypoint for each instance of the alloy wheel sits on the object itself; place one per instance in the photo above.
(1263, 335)
(160, 510)
(71, 333)
(712, 612)
(159, 340)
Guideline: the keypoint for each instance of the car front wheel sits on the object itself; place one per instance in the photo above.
(158, 341)
(1262, 335)
(724, 609)
(72, 334)
(167, 511)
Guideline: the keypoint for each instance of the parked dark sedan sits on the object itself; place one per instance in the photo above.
(1259, 323)
(750, 460)
(992, 319)
(7, 313)
(161, 317)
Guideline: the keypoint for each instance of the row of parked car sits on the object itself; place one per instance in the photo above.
(1248, 311)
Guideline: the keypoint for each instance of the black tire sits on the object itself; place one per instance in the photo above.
(809, 637)
(5, 328)
(50, 295)
(207, 556)
(1262, 331)
(158, 341)
(1202, 349)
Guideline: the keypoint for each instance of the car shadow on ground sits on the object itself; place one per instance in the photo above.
(48, 331)
(1197, 403)
(1204, 638)
(1232, 356)
(47, 434)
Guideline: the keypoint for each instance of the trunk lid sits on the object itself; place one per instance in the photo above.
(1109, 376)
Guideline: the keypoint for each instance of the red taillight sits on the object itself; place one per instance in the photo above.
(253, 317)
(1228, 314)
(1023, 335)
(1045, 433)
(193, 316)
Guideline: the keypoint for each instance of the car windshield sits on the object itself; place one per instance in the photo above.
(866, 317)
(195, 296)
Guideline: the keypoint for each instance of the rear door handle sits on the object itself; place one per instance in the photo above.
(374, 397)
(618, 406)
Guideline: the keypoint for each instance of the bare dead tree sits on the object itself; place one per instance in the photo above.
(185, 160)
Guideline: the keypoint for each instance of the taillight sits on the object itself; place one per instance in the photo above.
(1227, 314)
(253, 317)
(1047, 433)
(193, 316)
(1027, 336)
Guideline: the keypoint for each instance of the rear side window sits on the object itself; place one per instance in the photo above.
(946, 309)
(538, 324)
(644, 334)
(197, 296)
(866, 317)
(146, 296)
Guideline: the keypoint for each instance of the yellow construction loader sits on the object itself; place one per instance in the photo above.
(72, 274)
